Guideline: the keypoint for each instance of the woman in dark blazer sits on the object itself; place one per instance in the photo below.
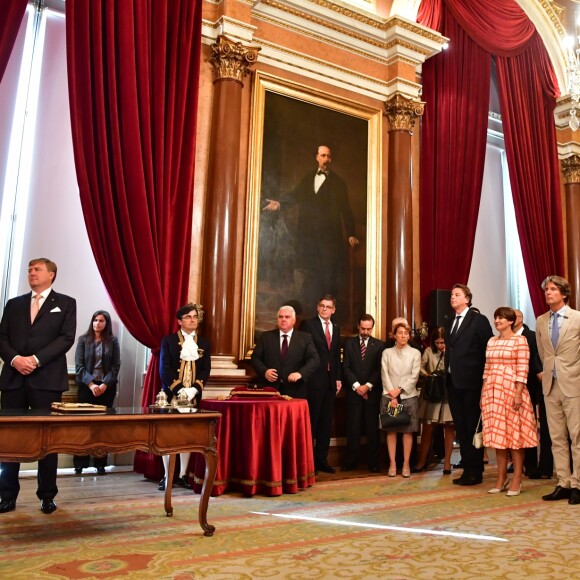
(97, 361)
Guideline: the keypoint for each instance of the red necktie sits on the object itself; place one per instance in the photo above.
(327, 334)
(284, 349)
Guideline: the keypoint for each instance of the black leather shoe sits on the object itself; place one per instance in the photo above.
(326, 468)
(182, 482)
(574, 497)
(348, 467)
(467, 480)
(161, 486)
(559, 493)
(47, 506)
(101, 471)
(7, 505)
(78, 470)
(537, 474)
(458, 465)
(416, 469)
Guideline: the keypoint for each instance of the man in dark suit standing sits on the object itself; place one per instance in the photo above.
(184, 364)
(36, 331)
(324, 219)
(545, 466)
(285, 358)
(362, 380)
(325, 383)
(468, 335)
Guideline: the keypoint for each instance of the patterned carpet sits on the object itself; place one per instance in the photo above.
(368, 527)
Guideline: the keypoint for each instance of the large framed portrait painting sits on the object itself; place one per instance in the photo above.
(313, 207)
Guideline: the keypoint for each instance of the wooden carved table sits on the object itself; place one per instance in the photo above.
(31, 435)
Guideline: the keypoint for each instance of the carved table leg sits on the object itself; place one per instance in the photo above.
(169, 485)
(210, 469)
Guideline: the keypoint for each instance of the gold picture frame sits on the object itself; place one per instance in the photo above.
(289, 122)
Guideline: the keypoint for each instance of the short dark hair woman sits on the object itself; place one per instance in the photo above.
(97, 361)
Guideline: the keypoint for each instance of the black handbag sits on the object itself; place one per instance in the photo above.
(392, 416)
(434, 385)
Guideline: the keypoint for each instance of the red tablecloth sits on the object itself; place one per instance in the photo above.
(263, 447)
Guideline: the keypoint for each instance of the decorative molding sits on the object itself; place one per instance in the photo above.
(571, 169)
(402, 112)
(232, 60)
(349, 29)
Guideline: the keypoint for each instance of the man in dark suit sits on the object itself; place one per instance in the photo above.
(545, 466)
(184, 365)
(285, 358)
(324, 384)
(468, 335)
(324, 218)
(36, 332)
(362, 380)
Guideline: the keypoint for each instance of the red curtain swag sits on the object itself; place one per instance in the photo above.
(12, 15)
(527, 88)
(133, 68)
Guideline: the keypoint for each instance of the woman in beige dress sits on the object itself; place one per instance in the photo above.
(399, 372)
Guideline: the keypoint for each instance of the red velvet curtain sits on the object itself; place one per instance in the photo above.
(527, 88)
(456, 91)
(12, 14)
(133, 68)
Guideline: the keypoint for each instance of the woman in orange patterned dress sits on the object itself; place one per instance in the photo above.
(509, 423)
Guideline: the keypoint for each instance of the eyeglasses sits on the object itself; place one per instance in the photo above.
(189, 317)
(325, 307)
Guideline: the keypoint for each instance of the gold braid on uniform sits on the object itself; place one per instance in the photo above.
(186, 375)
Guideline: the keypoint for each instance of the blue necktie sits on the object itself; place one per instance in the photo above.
(555, 336)
(555, 330)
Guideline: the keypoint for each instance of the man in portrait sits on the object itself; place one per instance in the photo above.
(558, 335)
(184, 365)
(325, 383)
(36, 331)
(285, 358)
(324, 229)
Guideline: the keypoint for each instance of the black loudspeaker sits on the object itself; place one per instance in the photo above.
(440, 311)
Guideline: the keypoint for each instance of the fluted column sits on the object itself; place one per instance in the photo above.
(231, 62)
(571, 172)
(402, 112)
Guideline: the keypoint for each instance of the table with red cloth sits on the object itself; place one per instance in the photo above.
(264, 446)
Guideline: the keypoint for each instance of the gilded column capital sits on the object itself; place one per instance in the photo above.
(402, 112)
(232, 60)
(571, 169)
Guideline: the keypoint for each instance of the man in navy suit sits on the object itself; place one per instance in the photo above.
(36, 331)
(468, 335)
(325, 383)
(362, 379)
(285, 358)
(184, 364)
(325, 218)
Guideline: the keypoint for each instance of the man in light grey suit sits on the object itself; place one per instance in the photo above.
(558, 334)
